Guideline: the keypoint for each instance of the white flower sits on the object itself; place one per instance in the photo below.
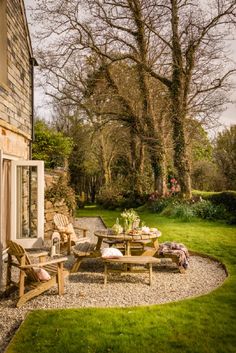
(130, 215)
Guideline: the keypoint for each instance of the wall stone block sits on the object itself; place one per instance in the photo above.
(51, 208)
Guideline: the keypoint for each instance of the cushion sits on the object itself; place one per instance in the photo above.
(43, 275)
(111, 253)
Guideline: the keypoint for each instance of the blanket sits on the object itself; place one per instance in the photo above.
(175, 249)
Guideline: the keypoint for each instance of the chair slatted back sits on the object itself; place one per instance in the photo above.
(60, 220)
(22, 257)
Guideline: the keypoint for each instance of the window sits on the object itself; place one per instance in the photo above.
(3, 42)
(27, 202)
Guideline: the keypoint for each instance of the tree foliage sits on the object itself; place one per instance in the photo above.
(51, 146)
(145, 65)
(225, 156)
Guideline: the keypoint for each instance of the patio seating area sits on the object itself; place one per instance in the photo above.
(84, 249)
(86, 266)
(86, 289)
(84, 286)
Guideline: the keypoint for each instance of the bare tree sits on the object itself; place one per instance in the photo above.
(179, 43)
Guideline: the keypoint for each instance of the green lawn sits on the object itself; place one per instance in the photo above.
(206, 324)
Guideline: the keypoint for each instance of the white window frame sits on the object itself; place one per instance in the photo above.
(1, 159)
(28, 242)
(11, 158)
(1, 250)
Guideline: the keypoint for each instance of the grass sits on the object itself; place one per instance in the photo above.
(205, 324)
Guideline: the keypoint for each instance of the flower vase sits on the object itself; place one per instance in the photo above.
(127, 226)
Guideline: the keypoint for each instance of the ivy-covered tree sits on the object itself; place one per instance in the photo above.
(51, 146)
(179, 44)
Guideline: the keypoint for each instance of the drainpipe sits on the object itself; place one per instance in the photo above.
(33, 63)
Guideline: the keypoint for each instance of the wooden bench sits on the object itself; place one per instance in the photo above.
(129, 261)
(82, 250)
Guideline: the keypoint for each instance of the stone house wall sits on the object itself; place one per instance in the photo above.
(16, 91)
(50, 208)
(16, 98)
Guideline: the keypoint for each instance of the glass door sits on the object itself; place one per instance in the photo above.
(27, 203)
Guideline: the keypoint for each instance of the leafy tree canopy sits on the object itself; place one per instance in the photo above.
(51, 146)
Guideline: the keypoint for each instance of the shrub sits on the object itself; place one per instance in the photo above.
(207, 210)
(51, 146)
(61, 191)
(182, 211)
(113, 197)
(226, 198)
(232, 220)
(133, 200)
(110, 198)
(159, 205)
(79, 203)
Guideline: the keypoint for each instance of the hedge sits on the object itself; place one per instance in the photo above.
(226, 198)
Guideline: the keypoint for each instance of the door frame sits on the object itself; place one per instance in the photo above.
(10, 158)
(1, 246)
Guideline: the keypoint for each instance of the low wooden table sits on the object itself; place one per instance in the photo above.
(130, 260)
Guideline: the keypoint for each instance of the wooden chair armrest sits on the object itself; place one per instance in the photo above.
(82, 240)
(43, 253)
(42, 264)
(80, 228)
(15, 264)
(84, 230)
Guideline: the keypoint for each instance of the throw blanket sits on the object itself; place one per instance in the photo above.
(175, 249)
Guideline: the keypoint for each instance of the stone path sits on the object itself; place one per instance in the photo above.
(92, 224)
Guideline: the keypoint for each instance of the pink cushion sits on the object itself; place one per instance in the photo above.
(43, 275)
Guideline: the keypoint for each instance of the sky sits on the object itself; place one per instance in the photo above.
(42, 108)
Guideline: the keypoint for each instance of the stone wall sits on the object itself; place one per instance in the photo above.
(16, 86)
(16, 94)
(50, 207)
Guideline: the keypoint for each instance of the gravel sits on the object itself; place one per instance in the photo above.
(86, 289)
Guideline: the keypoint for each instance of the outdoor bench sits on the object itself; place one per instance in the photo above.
(128, 261)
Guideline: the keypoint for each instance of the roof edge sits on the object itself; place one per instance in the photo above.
(27, 33)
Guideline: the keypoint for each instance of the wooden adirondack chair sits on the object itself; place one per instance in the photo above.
(68, 232)
(29, 283)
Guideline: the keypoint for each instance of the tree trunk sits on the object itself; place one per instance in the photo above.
(106, 173)
(158, 162)
(181, 161)
(178, 111)
(106, 168)
(137, 160)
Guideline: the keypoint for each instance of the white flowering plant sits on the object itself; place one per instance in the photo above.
(129, 217)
